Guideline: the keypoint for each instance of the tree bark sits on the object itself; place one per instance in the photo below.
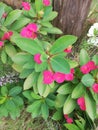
(13, 3)
(71, 15)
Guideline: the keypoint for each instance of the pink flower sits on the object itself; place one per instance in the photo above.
(91, 65)
(69, 77)
(32, 27)
(95, 87)
(69, 120)
(81, 103)
(7, 35)
(72, 71)
(37, 58)
(59, 77)
(4, 15)
(68, 50)
(46, 2)
(26, 5)
(26, 33)
(47, 77)
(1, 43)
(85, 69)
(65, 116)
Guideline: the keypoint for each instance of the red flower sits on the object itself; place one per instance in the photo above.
(85, 69)
(47, 77)
(68, 50)
(37, 58)
(1, 43)
(69, 77)
(46, 2)
(95, 87)
(81, 103)
(59, 77)
(7, 35)
(26, 5)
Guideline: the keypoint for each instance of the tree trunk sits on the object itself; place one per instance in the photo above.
(71, 15)
(13, 3)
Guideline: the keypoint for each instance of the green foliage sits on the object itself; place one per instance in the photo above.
(34, 53)
(11, 102)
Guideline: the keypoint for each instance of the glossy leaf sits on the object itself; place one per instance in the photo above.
(90, 106)
(84, 58)
(28, 82)
(78, 91)
(12, 16)
(59, 64)
(65, 89)
(27, 45)
(69, 105)
(62, 43)
(88, 80)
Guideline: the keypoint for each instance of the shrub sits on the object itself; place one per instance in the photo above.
(52, 81)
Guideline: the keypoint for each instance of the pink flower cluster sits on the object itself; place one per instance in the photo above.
(89, 66)
(68, 50)
(1, 43)
(37, 58)
(95, 88)
(81, 103)
(26, 5)
(46, 2)
(6, 36)
(30, 31)
(49, 77)
(68, 119)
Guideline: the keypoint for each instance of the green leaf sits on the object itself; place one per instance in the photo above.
(88, 80)
(34, 106)
(15, 91)
(35, 96)
(69, 105)
(29, 65)
(21, 58)
(60, 99)
(4, 91)
(78, 91)
(50, 16)
(50, 102)
(17, 68)
(57, 115)
(62, 43)
(72, 63)
(2, 99)
(3, 56)
(43, 89)
(65, 89)
(12, 16)
(41, 67)
(95, 59)
(27, 45)
(38, 5)
(10, 50)
(46, 24)
(25, 73)
(52, 30)
(59, 64)
(72, 127)
(21, 22)
(27, 94)
(18, 101)
(1, 11)
(28, 82)
(84, 57)
(45, 111)
(90, 106)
